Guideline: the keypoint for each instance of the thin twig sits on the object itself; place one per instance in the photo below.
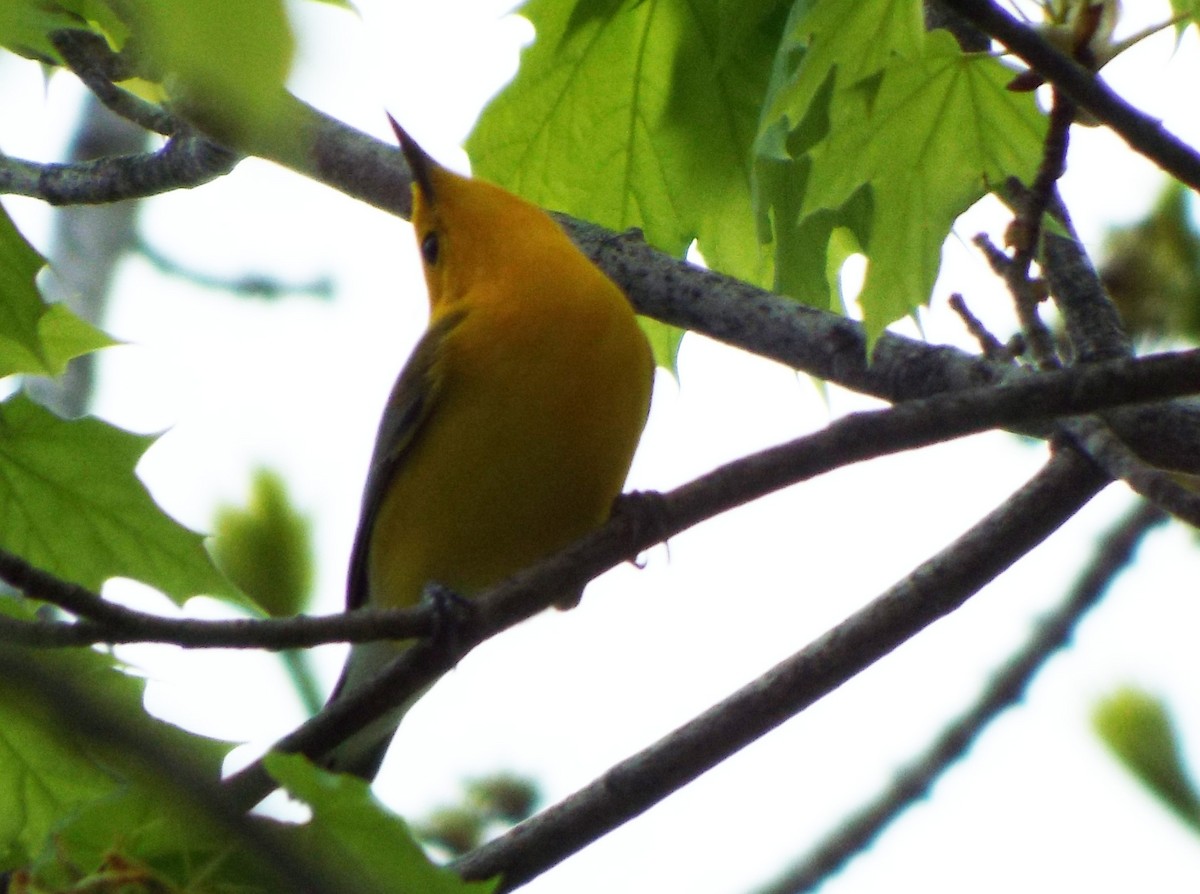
(1008, 685)
(251, 285)
(108, 622)
(1093, 324)
(89, 57)
(275, 634)
(936, 588)
(1027, 234)
(993, 349)
(1095, 439)
(187, 159)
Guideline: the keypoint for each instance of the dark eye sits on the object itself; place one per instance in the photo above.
(429, 248)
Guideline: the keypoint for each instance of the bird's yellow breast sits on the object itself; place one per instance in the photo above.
(543, 388)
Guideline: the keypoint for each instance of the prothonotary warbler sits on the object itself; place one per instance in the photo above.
(510, 430)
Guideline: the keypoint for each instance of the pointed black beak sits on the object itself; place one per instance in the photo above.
(418, 160)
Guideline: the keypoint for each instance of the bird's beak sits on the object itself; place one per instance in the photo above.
(419, 162)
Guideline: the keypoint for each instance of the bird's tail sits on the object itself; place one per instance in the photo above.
(362, 753)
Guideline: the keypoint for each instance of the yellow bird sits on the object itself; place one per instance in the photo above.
(509, 432)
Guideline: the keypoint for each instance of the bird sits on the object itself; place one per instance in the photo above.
(511, 428)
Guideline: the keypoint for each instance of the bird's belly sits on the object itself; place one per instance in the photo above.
(511, 466)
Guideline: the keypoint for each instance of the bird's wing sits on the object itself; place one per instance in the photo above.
(408, 407)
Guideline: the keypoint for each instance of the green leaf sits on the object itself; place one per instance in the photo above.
(53, 771)
(822, 37)
(266, 547)
(1190, 10)
(44, 774)
(64, 336)
(1138, 729)
(175, 840)
(938, 129)
(224, 62)
(35, 337)
(100, 796)
(22, 307)
(631, 115)
(25, 24)
(97, 791)
(71, 504)
(1151, 269)
(640, 114)
(664, 342)
(821, 50)
(349, 822)
(875, 127)
(100, 18)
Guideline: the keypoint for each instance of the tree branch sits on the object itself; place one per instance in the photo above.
(275, 634)
(1095, 439)
(1092, 436)
(1028, 229)
(816, 342)
(187, 160)
(853, 438)
(108, 622)
(1143, 133)
(90, 58)
(1093, 324)
(833, 348)
(86, 246)
(933, 590)
(912, 783)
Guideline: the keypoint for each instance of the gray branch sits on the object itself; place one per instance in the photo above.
(854, 834)
(87, 243)
(933, 590)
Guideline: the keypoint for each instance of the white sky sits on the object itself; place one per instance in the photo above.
(298, 386)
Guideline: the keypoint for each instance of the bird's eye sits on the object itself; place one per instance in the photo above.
(429, 248)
